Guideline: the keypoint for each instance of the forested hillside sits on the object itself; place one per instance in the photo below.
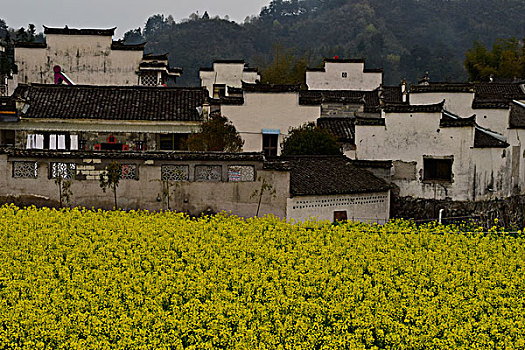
(405, 37)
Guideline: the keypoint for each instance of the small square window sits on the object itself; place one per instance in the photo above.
(270, 142)
(129, 172)
(208, 173)
(241, 173)
(344, 75)
(437, 169)
(175, 172)
(64, 170)
(28, 170)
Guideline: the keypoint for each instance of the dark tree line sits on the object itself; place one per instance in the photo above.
(405, 37)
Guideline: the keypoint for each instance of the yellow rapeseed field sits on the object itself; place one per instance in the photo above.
(84, 279)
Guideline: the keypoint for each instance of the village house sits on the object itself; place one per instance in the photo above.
(196, 183)
(264, 113)
(89, 56)
(86, 117)
(344, 74)
(225, 77)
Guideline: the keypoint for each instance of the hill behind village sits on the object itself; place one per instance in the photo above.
(405, 37)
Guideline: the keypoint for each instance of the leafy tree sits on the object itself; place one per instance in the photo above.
(205, 16)
(506, 60)
(310, 139)
(64, 189)
(110, 178)
(266, 187)
(21, 34)
(217, 134)
(154, 24)
(133, 36)
(31, 32)
(285, 68)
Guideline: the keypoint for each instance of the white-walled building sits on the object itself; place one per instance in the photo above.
(344, 74)
(265, 113)
(89, 57)
(226, 75)
(437, 154)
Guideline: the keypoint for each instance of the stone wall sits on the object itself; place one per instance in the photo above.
(508, 211)
(143, 187)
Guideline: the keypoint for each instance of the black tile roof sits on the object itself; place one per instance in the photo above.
(405, 108)
(497, 95)
(369, 99)
(228, 100)
(484, 138)
(112, 102)
(505, 90)
(517, 116)
(229, 61)
(119, 45)
(344, 60)
(234, 90)
(443, 87)
(370, 121)
(73, 31)
(150, 56)
(330, 175)
(154, 155)
(30, 45)
(342, 128)
(392, 94)
(259, 87)
(451, 120)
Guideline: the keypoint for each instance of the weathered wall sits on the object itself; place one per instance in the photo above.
(126, 132)
(509, 211)
(268, 111)
(407, 139)
(369, 207)
(332, 78)
(189, 196)
(86, 59)
(230, 74)
(460, 103)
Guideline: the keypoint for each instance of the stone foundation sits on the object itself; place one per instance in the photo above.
(508, 211)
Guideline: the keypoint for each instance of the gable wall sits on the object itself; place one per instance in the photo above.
(331, 78)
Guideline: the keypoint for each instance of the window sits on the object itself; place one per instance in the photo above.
(129, 172)
(211, 173)
(148, 78)
(28, 170)
(344, 75)
(7, 138)
(64, 170)
(175, 172)
(172, 142)
(241, 173)
(340, 216)
(437, 169)
(270, 144)
(219, 90)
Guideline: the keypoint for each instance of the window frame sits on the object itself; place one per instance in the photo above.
(270, 150)
(434, 169)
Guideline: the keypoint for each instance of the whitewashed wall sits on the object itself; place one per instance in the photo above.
(86, 59)
(368, 207)
(230, 74)
(460, 103)
(332, 79)
(268, 111)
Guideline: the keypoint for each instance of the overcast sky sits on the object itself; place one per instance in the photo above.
(124, 14)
